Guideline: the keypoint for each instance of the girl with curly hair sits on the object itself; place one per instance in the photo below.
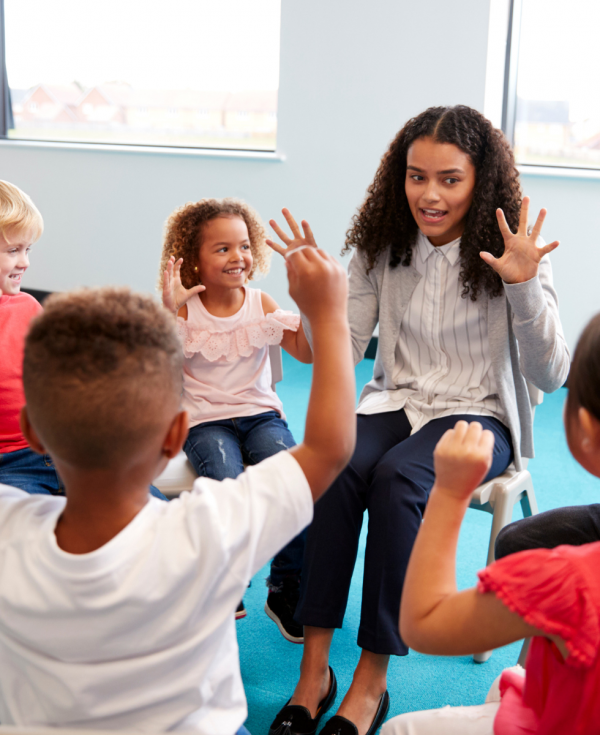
(212, 249)
(468, 316)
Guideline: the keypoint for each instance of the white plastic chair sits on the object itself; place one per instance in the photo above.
(500, 495)
(179, 475)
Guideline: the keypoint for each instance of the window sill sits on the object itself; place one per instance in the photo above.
(559, 172)
(145, 149)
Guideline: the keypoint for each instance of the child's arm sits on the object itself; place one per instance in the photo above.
(434, 617)
(174, 294)
(294, 343)
(318, 284)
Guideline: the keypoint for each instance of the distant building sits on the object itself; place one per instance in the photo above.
(118, 106)
(542, 125)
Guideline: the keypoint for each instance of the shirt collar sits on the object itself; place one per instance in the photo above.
(450, 251)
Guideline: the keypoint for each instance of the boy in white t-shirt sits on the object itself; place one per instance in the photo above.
(117, 609)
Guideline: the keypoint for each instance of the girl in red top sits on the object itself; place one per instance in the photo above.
(551, 595)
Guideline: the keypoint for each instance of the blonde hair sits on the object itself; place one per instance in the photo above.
(183, 232)
(17, 211)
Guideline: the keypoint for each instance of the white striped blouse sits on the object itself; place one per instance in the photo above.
(443, 364)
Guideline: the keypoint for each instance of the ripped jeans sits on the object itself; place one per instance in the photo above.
(218, 449)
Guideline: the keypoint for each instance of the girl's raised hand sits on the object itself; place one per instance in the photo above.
(174, 294)
(300, 239)
(521, 257)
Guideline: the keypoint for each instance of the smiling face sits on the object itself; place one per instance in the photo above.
(14, 259)
(440, 180)
(225, 257)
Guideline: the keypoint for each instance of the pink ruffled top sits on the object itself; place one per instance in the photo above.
(227, 372)
(557, 591)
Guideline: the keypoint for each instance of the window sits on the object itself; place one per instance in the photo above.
(182, 73)
(555, 100)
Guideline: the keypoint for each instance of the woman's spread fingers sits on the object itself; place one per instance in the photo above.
(292, 223)
(549, 248)
(280, 232)
(503, 224)
(537, 228)
(276, 247)
(489, 259)
(524, 216)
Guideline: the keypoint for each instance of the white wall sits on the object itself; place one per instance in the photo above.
(573, 205)
(351, 74)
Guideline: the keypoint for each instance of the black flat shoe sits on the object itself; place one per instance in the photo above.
(293, 719)
(339, 725)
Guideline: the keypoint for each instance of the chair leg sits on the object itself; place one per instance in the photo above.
(529, 503)
(503, 510)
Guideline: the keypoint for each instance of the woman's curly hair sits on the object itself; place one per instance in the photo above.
(183, 236)
(385, 220)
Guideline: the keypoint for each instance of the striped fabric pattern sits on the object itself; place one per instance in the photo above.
(443, 363)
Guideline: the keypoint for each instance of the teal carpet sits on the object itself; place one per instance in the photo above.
(270, 665)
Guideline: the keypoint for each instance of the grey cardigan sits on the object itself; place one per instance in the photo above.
(524, 332)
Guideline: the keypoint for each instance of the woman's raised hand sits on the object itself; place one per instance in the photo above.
(521, 257)
(174, 294)
(302, 239)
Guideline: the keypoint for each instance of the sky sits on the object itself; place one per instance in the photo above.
(560, 54)
(227, 45)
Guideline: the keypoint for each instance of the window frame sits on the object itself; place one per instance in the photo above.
(7, 123)
(509, 104)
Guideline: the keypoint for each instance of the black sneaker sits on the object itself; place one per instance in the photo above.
(281, 606)
(241, 611)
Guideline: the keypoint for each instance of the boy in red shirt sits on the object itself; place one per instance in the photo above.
(21, 225)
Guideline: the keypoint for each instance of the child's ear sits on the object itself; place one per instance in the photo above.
(176, 436)
(590, 428)
(29, 432)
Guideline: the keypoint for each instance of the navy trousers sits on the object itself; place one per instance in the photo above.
(390, 476)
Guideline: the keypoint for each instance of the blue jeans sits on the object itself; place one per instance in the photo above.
(218, 449)
(35, 473)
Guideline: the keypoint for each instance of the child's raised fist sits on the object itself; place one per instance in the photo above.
(462, 459)
(318, 284)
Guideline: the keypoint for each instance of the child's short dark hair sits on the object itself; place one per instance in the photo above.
(102, 373)
(584, 376)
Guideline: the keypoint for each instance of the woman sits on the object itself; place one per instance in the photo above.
(467, 315)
